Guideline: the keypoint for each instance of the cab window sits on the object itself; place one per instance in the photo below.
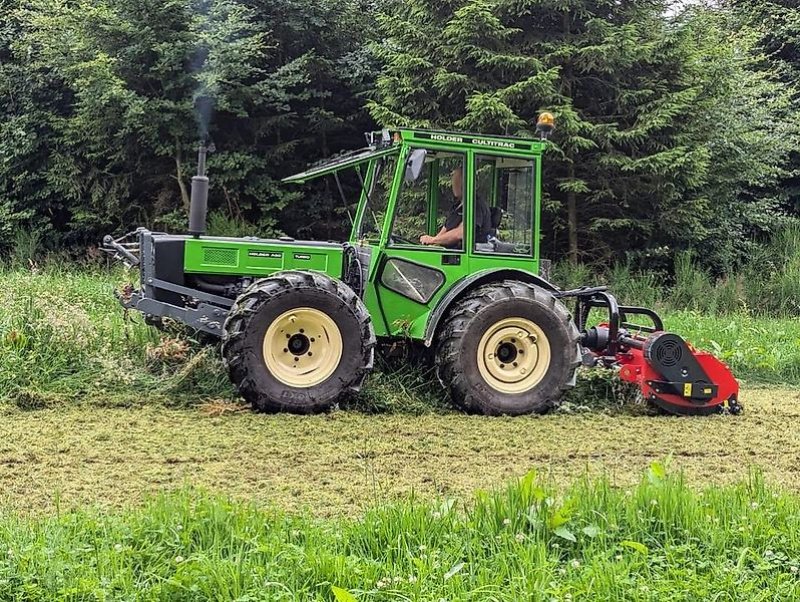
(371, 224)
(430, 200)
(507, 185)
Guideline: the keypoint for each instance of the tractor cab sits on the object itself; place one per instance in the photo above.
(437, 209)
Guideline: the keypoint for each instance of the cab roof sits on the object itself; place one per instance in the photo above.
(390, 142)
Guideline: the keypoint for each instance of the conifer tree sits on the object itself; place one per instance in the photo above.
(102, 103)
(775, 24)
(632, 92)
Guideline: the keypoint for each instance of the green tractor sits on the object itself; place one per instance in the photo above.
(444, 252)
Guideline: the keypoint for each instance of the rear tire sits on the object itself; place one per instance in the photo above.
(298, 342)
(508, 348)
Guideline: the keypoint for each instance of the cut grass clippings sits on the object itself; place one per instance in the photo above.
(345, 461)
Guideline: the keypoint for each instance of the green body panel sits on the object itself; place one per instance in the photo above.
(395, 313)
(403, 316)
(259, 257)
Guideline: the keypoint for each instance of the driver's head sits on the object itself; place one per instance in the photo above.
(457, 179)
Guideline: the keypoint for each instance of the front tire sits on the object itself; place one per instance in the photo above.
(508, 348)
(298, 342)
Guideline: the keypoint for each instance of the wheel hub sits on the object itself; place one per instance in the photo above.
(507, 352)
(302, 347)
(513, 355)
(299, 344)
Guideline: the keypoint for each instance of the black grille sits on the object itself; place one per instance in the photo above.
(668, 353)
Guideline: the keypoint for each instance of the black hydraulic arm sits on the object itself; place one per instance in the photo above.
(587, 298)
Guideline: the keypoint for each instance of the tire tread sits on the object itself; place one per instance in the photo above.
(265, 291)
(450, 340)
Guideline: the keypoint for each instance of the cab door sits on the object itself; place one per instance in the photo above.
(411, 276)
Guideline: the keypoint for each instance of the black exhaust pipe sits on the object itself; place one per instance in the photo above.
(198, 206)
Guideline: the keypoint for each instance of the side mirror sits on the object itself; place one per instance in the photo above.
(414, 165)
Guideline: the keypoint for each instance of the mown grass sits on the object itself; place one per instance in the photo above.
(659, 540)
(343, 462)
(65, 339)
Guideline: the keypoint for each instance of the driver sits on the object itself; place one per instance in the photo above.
(452, 233)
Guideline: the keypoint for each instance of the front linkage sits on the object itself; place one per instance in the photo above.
(158, 298)
(669, 372)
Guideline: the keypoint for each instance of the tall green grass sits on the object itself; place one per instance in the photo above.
(65, 338)
(768, 285)
(529, 541)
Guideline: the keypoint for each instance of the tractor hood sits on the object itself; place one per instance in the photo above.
(343, 161)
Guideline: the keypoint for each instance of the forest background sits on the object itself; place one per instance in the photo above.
(677, 125)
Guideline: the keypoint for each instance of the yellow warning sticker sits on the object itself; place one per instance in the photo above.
(687, 389)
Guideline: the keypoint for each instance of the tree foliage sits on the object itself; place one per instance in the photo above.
(676, 128)
(774, 26)
(103, 103)
(661, 123)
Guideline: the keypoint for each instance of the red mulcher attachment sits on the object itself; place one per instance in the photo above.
(670, 373)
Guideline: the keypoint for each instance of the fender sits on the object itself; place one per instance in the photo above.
(466, 284)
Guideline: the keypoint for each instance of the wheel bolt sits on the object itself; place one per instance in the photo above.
(502, 366)
(297, 359)
(285, 350)
(490, 356)
(310, 354)
(312, 339)
(515, 364)
(302, 331)
(288, 336)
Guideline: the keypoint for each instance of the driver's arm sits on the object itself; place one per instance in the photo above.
(445, 237)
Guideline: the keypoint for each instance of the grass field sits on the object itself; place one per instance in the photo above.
(67, 350)
(658, 540)
(128, 471)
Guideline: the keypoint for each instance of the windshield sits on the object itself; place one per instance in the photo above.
(377, 198)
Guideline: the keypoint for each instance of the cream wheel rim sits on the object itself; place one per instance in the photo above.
(513, 355)
(302, 347)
